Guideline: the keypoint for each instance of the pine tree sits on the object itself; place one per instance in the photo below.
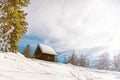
(103, 62)
(13, 23)
(73, 59)
(83, 61)
(117, 62)
(26, 51)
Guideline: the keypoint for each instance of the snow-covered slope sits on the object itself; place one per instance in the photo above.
(17, 67)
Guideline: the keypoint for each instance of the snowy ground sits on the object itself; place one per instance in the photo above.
(17, 67)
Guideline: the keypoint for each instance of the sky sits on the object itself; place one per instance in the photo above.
(73, 24)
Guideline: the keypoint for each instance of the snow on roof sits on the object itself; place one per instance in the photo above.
(47, 49)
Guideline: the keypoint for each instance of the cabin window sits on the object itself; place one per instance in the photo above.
(48, 57)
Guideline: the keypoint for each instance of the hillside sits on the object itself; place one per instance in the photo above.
(17, 67)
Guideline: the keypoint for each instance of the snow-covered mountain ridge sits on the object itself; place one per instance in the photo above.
(17, 67)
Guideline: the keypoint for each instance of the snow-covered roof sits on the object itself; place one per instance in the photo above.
(47, 49)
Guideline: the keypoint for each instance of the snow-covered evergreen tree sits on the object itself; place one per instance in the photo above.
(12, 23)
(83, 61)
(116, 62)
(103, 62)
(73, 59)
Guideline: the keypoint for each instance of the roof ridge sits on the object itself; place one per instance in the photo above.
(47, 49)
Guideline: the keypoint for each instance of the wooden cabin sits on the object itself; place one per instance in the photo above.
(45, 52)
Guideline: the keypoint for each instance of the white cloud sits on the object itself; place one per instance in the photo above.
(75, 24)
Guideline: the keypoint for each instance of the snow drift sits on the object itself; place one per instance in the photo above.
(17, 67)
